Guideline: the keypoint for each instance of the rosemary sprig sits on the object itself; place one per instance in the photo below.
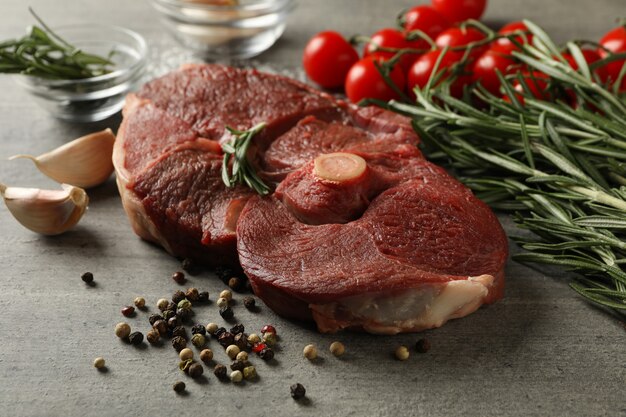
(241, 172)
(42, 53)
(560, 170)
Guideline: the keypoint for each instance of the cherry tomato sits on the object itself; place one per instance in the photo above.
(364, 81)
(615, 41)
(392, 38)
(537, 83)
(423, 67)
(590, 56)
(328, 58)
(456, 37)
(504, 45)
(484, 70)
(459, 10)
(426, 19)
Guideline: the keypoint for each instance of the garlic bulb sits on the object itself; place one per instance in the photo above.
(84, 162)
(49, 212)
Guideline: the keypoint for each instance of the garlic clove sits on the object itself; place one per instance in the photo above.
(49, 212)
(84, 162)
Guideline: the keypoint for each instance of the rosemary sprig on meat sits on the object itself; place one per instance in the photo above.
(42, 53)
(561, 169)
(240, 171)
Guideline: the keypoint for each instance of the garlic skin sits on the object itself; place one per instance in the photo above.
(84, 162)
(48, 212)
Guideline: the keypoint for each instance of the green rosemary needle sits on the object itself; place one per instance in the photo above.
(240, 171)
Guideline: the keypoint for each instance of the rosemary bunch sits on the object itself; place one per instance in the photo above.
(561, 169)
(240, 171)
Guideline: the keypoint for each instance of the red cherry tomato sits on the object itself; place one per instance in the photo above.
(423, 67)
(459, 10)
(456, 37)
(328, 58)
(537, 83)
(485, 67)
(365, 81)
(504, 45)
(426, 19)
(615, 41)
(590, 56)
(392, 38)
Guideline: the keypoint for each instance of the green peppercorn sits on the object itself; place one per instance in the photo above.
(195, 370)
(269, 339)
(161, 327)
(99, 363)
(179, 343)
(185, 365)
(206, 355)
(226, 313)
(192, 294)
(249, 303)
(139, 302)
(422, 346)
(220, 371)
(297, 391)
(249, 372)
(211, 328)
(253, 339)
(87, 278)
(236, 376)
(179, 386)
(153, 337)
(135, 338)
(162, 304)
(122, 330)
(185, 304)
(168, 314)
(178, 296)
(198, 340)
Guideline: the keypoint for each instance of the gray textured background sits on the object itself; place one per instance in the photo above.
(540, 351)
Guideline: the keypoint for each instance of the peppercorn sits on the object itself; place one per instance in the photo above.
(153, 337)
(203, 297)
(249, 303)
(337, 348)
(122, 330)
(227, 294)
(179, 278)
(179, 386)
(128, 311)
(224, 273)
(184, 304)
(267, 354)
(154, 318)
(226, 313)
(237, 328)
(422, 345)
(99, 363)
(249, 372)
(192, 294)
(253, 339)
(211, 328)
(162, 304)
(219, 332)
(139, 302)
(269, 339)
(236, 376)
(222, 302)
(206, 355)
(237, 365)
(171, 306)
(183, 313)
(198, 328)
(268, 328)
(258, 347)
(249, 286)
(195, 370)
(168, 314)
(225, 339)
(179, 343)
(135, 338)
(242, 356)
(220, 371)
(161, 327)
(189, 266)
(87, 278)
(310, 352)
(402, 353)
(232, 351)
(185, 365)
(241, 341)
(185, 354)
(235, 283)
(173, 322)
(178, 296)
(297, 391)
(198, 340)
(179, 331)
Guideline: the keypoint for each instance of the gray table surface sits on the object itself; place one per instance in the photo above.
(540, 351)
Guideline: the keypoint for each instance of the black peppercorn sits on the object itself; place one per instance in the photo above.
(203, 296)
(173, 322)
(192, 294)
(183, 313)
(224, 273)
(168, 314)
(237, 328)
(297, 391)
(87, 277)
(220, 371)
(198, 328)
(235, 283)
(219, 332)
(178, 296)
(266, 354)
(241, 340)
(179, 386)
(237, 365)
(154, 318)
(226, 339)
(249, 303)
(189, 266)
(171, 306)
(161, 327)
(179, 277)
(179, 343)
(226, 313)
(195, 370)
(135, 338)
(422, 346)
(179, 331)
(249, 287)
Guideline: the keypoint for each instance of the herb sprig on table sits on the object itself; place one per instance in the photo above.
(42, 53)
(560, 168)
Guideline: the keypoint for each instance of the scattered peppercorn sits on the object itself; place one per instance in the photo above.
(203, 296)
(249, 287)
(168, 314)
(189, 266)
(87, 277)
(249, 372)
(179, 386)
(269, 339)
(195, 370)
(162, 304)
(171, 306)
(153, 337)
(183, 313)
(185, 365)
(258, 347)
(241, 341)
(206, 355)
(227, 295)
(135, 338)
(179, 277)
(237, 366)
(161, 327)
(198, 340)
(140, 302)
(422, 345)
(192, 294)
(225, 339)
(198, 328)
(402, 353)
(154, 318)
(122, 330)
(222, 302)
(337, 348)
(310, 352)
(253, 339)
(236, 376)
(218, 332)
(99, 363)
(178, 296)
(179, 331)
(179, 343)
(226, 313)
(232, 351)
(219, 371)
(267, 354)
(185, 354)
(224, 273)
(268, 328)
(211, 328)
(128, 311)
(173, 322)
(235, 283)
(242, 356)
(297, 391)
(237, 328)
(249, 303)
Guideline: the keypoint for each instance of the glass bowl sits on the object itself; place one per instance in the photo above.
(96, 98)
(237, 31)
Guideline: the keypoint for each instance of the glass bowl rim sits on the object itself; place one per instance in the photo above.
(260, 6)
